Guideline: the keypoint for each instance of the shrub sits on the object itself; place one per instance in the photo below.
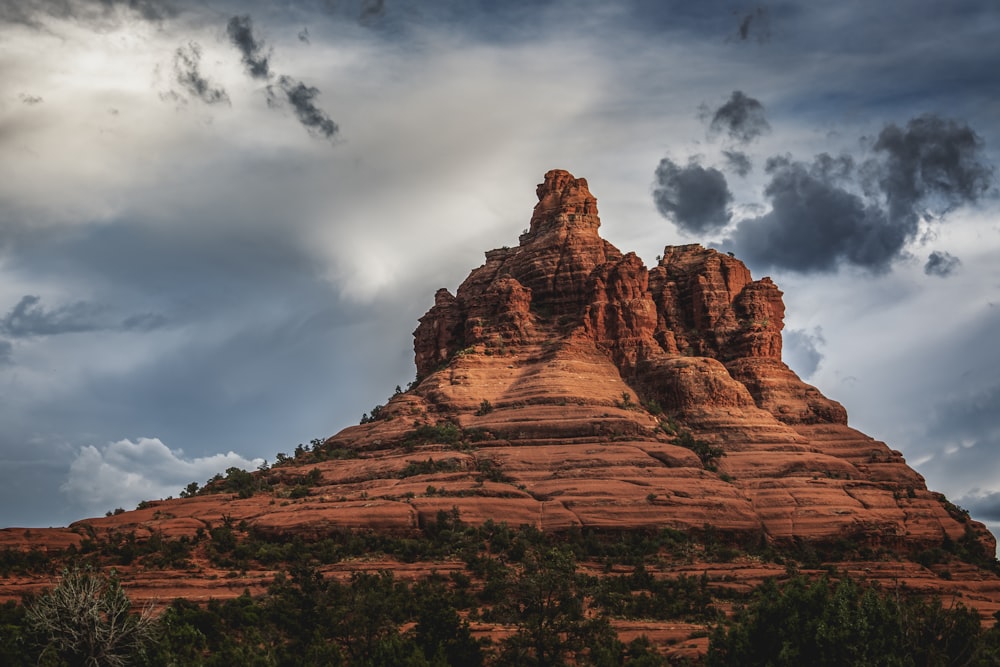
(375, 415)
(707, 454)
(445, 433)
(427, 467)
(652, 407)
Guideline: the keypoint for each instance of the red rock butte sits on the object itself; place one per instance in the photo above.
(566, 385)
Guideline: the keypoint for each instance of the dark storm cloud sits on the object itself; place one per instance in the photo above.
(304, 35)
(941, 264)
(187, 69)
(839, 169)
(696, 199)
(300, 97)
(982, 506)
(30, 100)
(829, 212)
(739, 162)
(255, 58)
(933, 162)
(815, 223)
(741, 118)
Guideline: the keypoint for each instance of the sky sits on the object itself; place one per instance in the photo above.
(220, 220)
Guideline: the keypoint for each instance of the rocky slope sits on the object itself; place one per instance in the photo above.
(565, 385)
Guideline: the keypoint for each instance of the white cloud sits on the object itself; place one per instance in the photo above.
(120, 474)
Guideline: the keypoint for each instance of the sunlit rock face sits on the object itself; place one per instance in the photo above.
(566, 385)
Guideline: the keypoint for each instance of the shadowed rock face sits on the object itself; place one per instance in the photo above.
(552, 390)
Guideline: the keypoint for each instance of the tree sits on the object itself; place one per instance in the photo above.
(439, 630)
(548, 606)
(822, 623)
(87, 620)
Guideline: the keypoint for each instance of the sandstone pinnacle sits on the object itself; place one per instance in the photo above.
(566, 386)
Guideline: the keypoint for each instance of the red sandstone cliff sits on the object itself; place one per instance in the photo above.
(565, 336)
(552, 390)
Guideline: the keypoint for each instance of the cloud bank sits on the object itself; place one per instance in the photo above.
(123, 473)
(832, 211)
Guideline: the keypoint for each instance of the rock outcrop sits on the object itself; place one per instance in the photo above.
(578, 348)
(565, 385)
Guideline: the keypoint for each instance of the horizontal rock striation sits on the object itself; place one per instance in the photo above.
(565, 385)
(576, 345)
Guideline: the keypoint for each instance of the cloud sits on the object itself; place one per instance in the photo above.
(814, 223)
(94, 12)
(300, 97)
(30, 100)
(830, 213)
(187, 69)
(961, 435)
(982, 505)
(6, 348)
(969, 416)
(741, 118)
(123, 473)
(800, 350)
(28, 318)
(934, 162)
(304, 35)
(941, 264)
(738, 162)
(255, 59)
(754, 24)
(297, 94)
(693, 197)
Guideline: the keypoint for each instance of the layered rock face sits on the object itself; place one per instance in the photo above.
(572, 343)
(565, 385)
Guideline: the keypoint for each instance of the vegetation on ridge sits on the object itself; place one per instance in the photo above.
(539, 596)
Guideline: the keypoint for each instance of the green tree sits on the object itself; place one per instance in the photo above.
(440, 632)
(18, 645)
(825, 624)
(547, 604)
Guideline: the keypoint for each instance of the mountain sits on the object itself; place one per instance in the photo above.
(566, 387)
